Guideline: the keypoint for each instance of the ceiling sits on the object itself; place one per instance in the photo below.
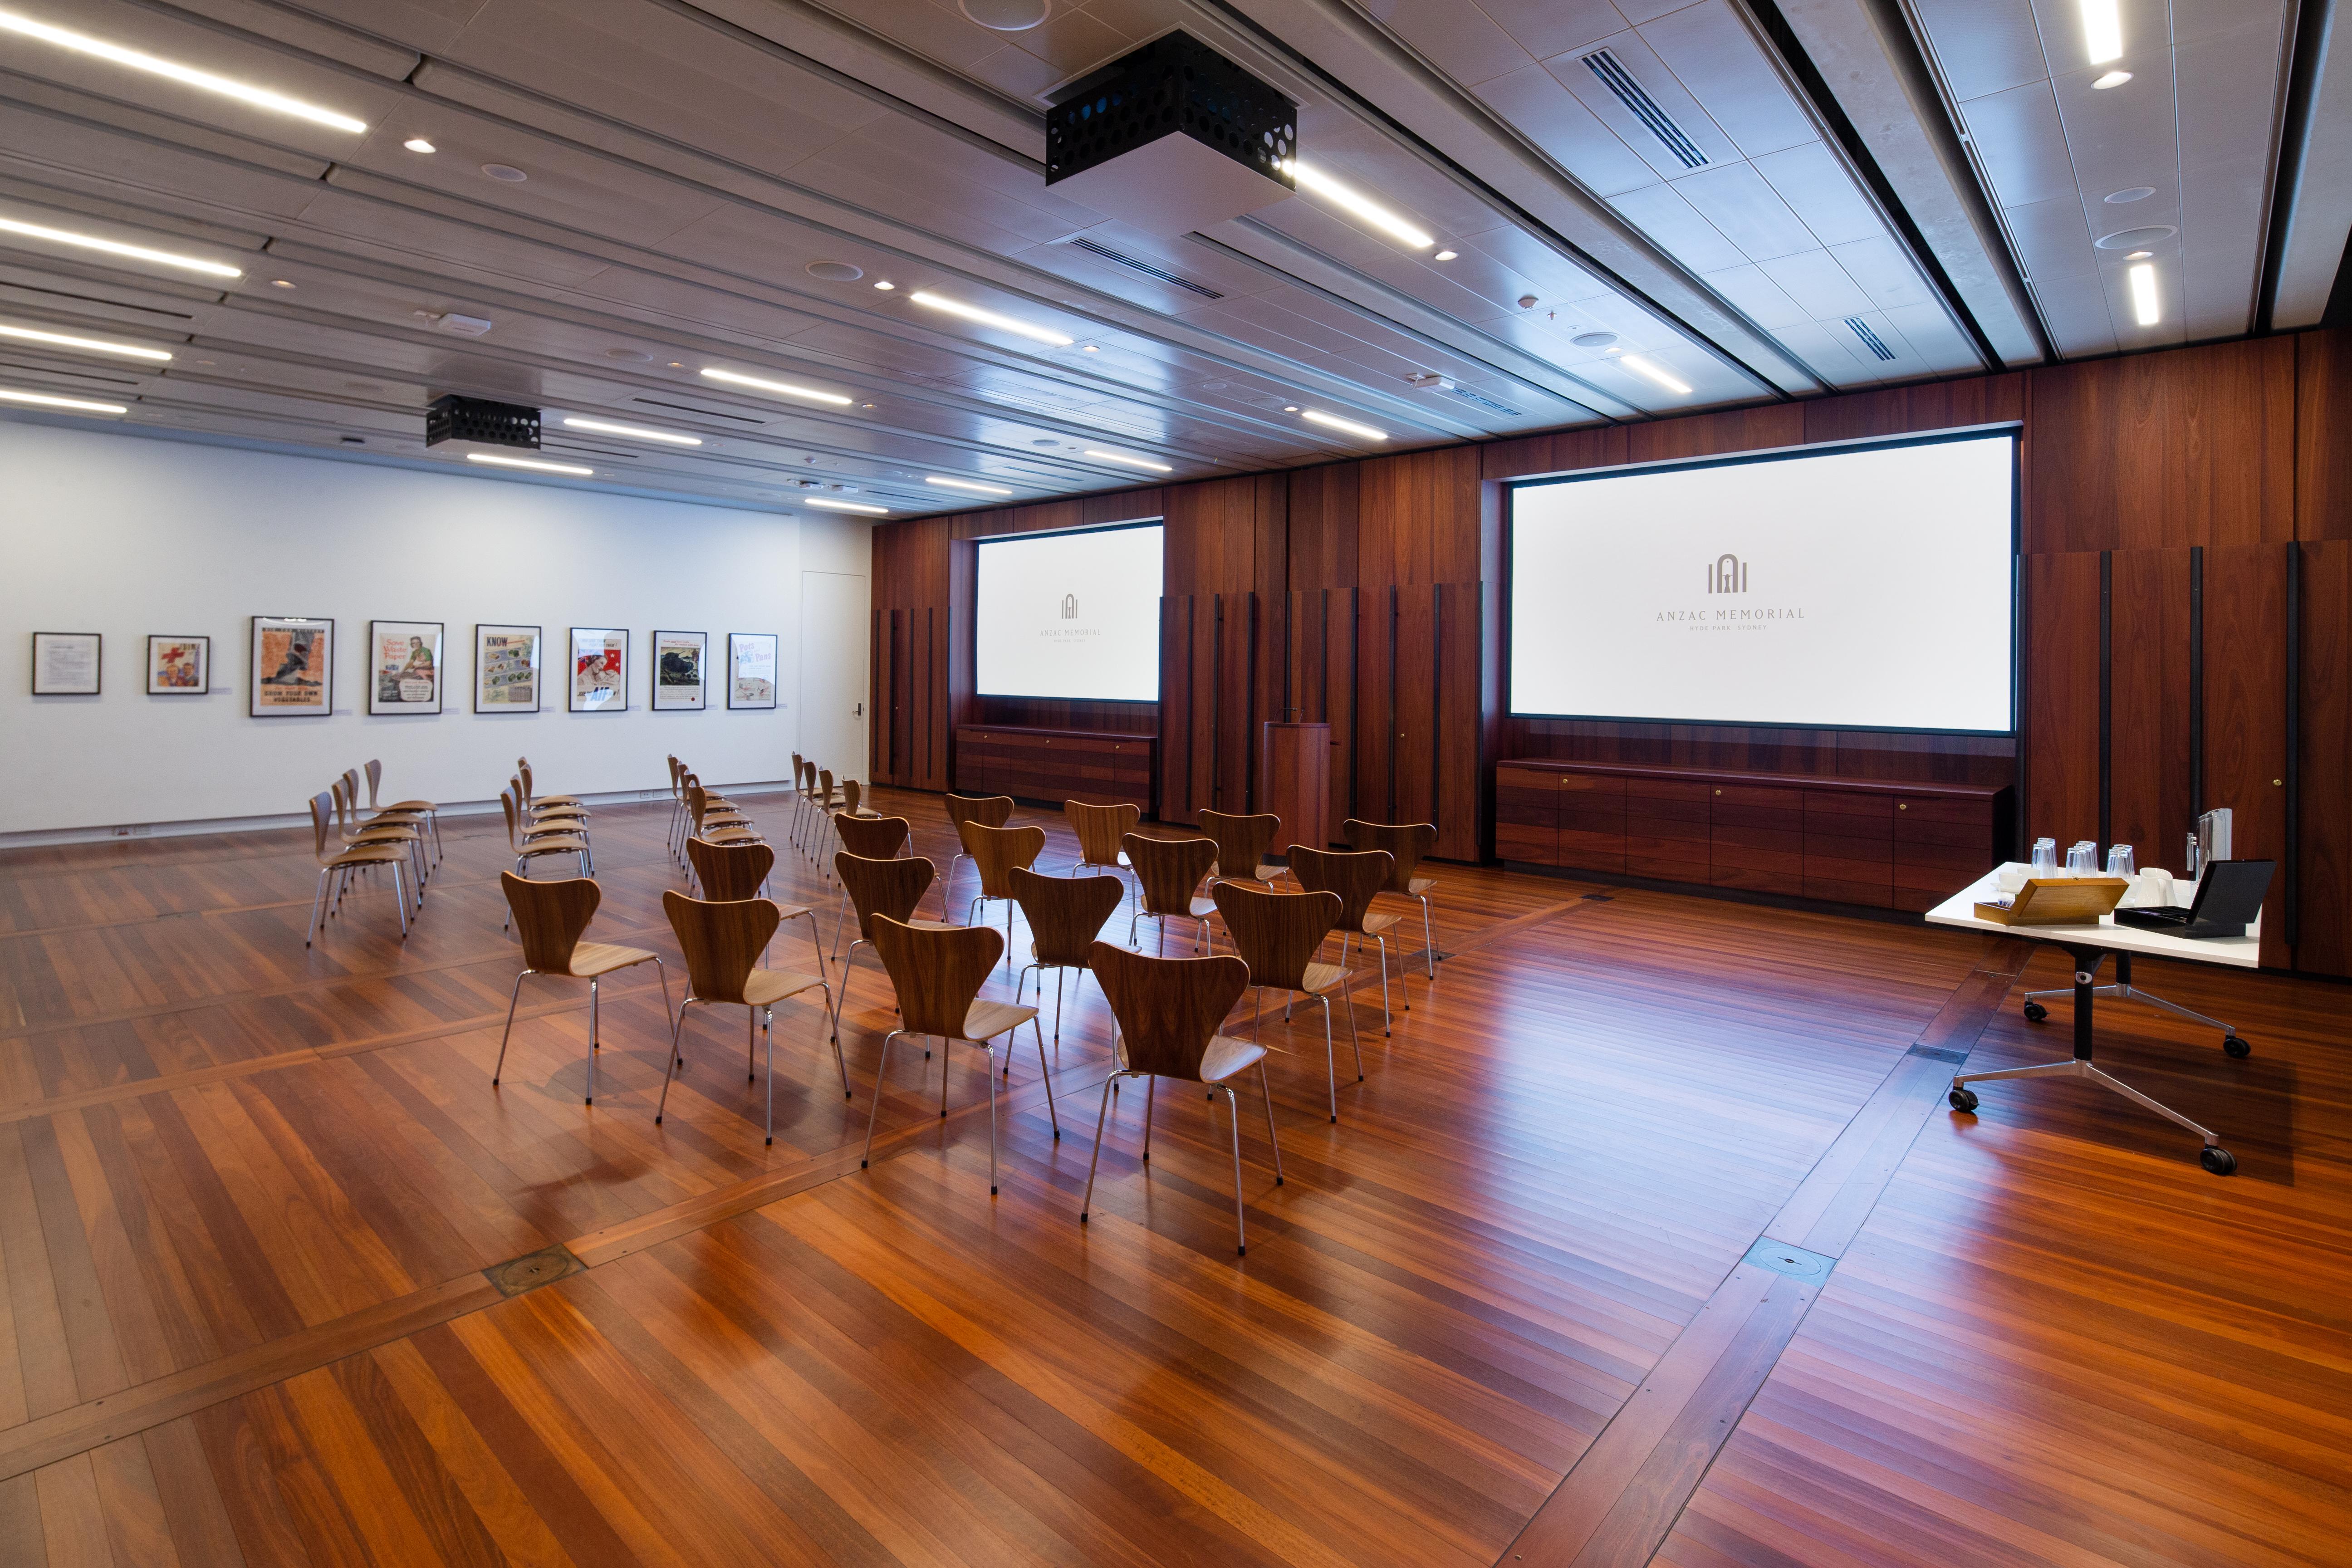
(1644, 208)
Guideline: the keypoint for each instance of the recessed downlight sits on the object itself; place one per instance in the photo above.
(1445, 256)
(2129, 193)
(505, 172)
(50, 400)
(1290, 408)
(2145, 305)
(2139, 255)
(1651, 370)
(975, 486)
(1129, 460)
(836, 271)
(418, 144)
(1594, 339)
(883, 284)
(534, 465)
(1006, 16)
(283, 283)
(2134, 239)
(1346, 426)
(2113, 79)
(781, 388)
(856, 506)
(997, 318)
(91, 345)
(116, 248)
(186, 75)
(1090, 348)
(634, 431)
(2103, 30)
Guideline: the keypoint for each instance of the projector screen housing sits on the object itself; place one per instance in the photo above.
(1073, 616)
(1866, 585)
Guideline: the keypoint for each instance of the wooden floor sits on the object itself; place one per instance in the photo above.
(1645, 1236)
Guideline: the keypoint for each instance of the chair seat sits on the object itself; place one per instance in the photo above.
(552, 830)
(389, 833)
(541, 800)
(396, 816)
(766, 987)
(989, 1020)
(732, 836)
(1223, 1056)
(412, 805)
(1321, 977)
(1419, 885)
(559, 843)
(1203, 908)
(365, 855)
(591, 959)
(545, 811)
(1374, 925)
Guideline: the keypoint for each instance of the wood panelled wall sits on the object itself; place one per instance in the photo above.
(2188, 586)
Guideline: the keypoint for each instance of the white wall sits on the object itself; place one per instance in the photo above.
(128, 536)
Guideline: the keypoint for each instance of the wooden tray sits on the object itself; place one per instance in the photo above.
(2059, 902)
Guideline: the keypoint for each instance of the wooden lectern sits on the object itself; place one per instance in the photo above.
(1294, 782)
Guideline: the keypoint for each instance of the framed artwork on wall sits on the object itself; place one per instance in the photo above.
(404, 666)
(66, 664)
(293, 668)
(681, 661)
(750, 670)
(506, 669)
(600, 669)
(179, 667)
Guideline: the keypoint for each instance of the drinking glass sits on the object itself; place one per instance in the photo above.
(2120, 861)
(2045, 856)
(2083, 859)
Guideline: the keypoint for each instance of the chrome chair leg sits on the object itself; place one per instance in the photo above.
(663, 970)
(839, 1060)
(1150, 1089)
(677, 1058)
(592, 1044)
(1331, 1061)
(992, 1108)
(512, 1000)
(1265, 1092)
(1428, 942)
(311, 932)
(1388, 1023)
(770, 1036)
(880, 1071)
(1102, 1119)
(1241, 1227)
(1043, 1072)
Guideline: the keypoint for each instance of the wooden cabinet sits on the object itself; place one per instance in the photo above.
(1837, 841)
(1100, 768)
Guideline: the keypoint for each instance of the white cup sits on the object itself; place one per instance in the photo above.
(2154, 888)
(2012, 879)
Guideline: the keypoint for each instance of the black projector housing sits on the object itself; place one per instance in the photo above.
(478, 419)
(1173, 85)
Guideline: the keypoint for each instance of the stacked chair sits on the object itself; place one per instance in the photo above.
(339, 857)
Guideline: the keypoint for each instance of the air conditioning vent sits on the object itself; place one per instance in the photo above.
(1604, 64)
(1870, 339)
(1108, 254)
(700, 413)
(1480, 400)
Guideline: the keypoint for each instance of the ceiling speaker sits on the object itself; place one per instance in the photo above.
(1006, 16)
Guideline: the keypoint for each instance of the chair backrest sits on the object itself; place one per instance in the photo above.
(730, 872)
(1407, 841)
(1354, 874)
(1275, 933)
(675, 767)
(875, 837)
(937, 971)
(1065, 913)
(883, 887)
(697, 800)
(988, 810)
(853, 796)
(1167, 1008)
(997, 850)
(549, 917)
(796, 770)
(1242, 841)
(1099, 828)
(722, 940)
(807, 777)
(335, 792)
(522, 773)
(1169, 870)
(825, 785)
(374, 778)
(514, 830)
(323, 822)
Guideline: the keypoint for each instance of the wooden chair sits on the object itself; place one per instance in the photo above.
(729, 873)
(988, 810)
(530, 844)
(938, 971)
(1169, 1010)
(1278, 935)
(722, 942)
(549, 917)
(425, 808)
(1065, 915)
(804, 801)
(337, 861)
(1168, 873)
(676, 839)
(1241, 843)
(1355, 875)
(994, 852)
(531, 798)
(713, 823)
(869, 838)
(549, 815)
(1100, 829)
(1408, 842)
(852, 802)
(383, 828)
(800, 798)
(878, 889)
(827, 802)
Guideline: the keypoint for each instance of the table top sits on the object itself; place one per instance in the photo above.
(2239, 952)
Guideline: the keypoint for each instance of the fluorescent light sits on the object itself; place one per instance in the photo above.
(1002, 323)
(259, 97)
(850, 506)
(2113, 79)
(2143, 293)
(1447, 255)
(637, 432)
(127, 351)
(2103, 30)
(2139, 255)
(1656, 373)
(497, 461)
(975, 489)
(418, 144)
(883, 284)
(1332, 421)
(1130, 462)
(44, 400)
(1090, 348)
(116, 248)
(1364, 207)
(784, 388)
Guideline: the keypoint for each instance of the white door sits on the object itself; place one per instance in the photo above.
(836, 618)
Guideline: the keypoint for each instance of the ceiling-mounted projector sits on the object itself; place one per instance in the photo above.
(479, 420)
(1170, 138)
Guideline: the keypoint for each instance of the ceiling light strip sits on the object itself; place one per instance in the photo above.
(61, 339)
(858, 506)
(783, 388)
(537, 468)
(974, 486)
(1309, 178)
(637, 432)
(49, 400)
(116, 248)
(2103, 30)
(1333, 422)
(1656, 373)
(156, 65)
(1132, 462)
(1002, 322)
(2145, 304)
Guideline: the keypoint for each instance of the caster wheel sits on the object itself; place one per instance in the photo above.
(1964, 1100)
(2220, 1161)
(2237, 1046)
(2035, 1011)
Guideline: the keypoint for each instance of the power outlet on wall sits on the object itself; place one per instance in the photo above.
(131, 830)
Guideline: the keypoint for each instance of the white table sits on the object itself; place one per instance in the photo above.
(2089, 945)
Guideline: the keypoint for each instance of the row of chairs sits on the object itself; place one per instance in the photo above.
(540, 826)
(348, 840)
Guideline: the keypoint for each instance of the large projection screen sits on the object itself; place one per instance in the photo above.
(1070, 615)
(1867, 587)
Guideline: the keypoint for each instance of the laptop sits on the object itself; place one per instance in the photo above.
(2229, 896)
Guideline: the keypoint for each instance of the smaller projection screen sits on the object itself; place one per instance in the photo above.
(1864, 588)
(1071, 616)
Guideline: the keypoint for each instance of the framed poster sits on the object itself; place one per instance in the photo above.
(681, 661)
(750, 670)
(404, 666)
(179, 667)
(293, 668)
(506, 669)
(600, 669)
(65, 663)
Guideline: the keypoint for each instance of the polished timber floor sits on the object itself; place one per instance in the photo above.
(1645, 1236)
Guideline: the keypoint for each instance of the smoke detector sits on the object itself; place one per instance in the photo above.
(460, 326)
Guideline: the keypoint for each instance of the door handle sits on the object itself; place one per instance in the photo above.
(859, 712)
